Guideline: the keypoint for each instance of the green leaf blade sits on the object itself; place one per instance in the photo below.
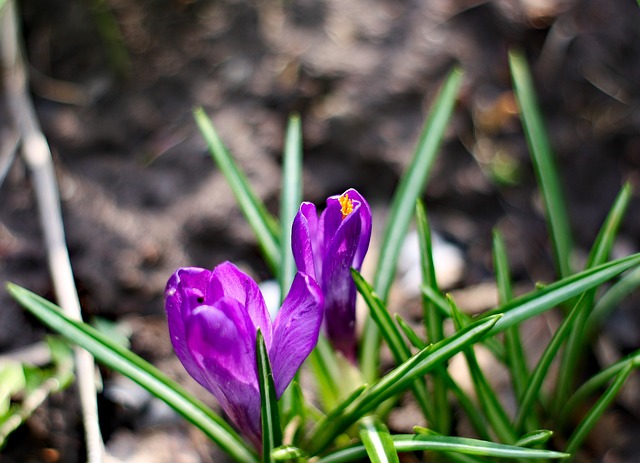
(391, 334)
(402, 207)
(451, 445)
(146, 375)
(397, 381)
(516, 360)
(269, 413)
(377, 441)
(544, 164)
(263, 223)
(537, 302)
(290, 199)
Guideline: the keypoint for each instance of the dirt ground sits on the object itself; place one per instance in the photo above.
(141, 196)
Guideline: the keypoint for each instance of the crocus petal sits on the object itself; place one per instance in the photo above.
(338, 287)
(194, 280)
(296, 330)
(221, 339)
(330, 220)
(361, 209)
(303, 233)
(230, 282)
(225, 335)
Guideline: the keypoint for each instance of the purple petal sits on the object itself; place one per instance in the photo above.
(221, 340)
(296, 330)
(330, 221)
(181, 287)
(303, 238)
(361, 208)
(230, 282)
(223, 334)
(338, 287)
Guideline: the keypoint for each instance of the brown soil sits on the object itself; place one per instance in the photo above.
(141, 197)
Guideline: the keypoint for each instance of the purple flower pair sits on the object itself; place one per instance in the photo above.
(214, 315)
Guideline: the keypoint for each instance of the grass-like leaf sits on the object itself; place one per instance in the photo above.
(432, 318)
(592, 417)
(269, 413)
(543, 162)
(414, 443)
(534, 438)
(326, 370)
(287, 453)
(409, 333)
(612, 298)
(598, 255)
(471, 411)
(537, 302)
(433, 321)
(598, 381)
(401, 210)
(290, 199)
(132, 366)
(392, 336)
(493, 410)
(395, 382)
(440, 303)
(539, 373)
(516, 360)
(263, 223)
(377, 441)
(609, 230)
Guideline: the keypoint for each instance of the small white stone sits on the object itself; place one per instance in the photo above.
(271, 292)
(448, 261)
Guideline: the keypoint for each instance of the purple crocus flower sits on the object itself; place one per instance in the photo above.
(213, 320)
(327, 248)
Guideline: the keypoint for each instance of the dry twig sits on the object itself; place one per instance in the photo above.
(36, 154)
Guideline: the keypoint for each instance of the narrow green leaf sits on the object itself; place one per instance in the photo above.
(290, 199)
(612, 298)
(263, 223)
(609, 231)
(414, 443)
(471, 411)
(432, 318)
(493, 410)
(325, 368)
(433, 321)
(537, 302)
(533, 438)
(598, 381)
(286, 453)
(395, 382)
(516, 360)
(269, 413)
(132, 366)
(583, 429)
(377, 441)
(401, 209)
(409, 333)
(539, 373)
(598, 255)
(382, 318)
(441, 304)
(544, 165)
(392, 337)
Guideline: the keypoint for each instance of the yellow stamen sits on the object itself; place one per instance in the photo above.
(347, 205)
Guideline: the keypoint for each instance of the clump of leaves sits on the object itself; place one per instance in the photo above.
(348, 423)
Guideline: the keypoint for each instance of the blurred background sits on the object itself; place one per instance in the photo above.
(114, 83)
